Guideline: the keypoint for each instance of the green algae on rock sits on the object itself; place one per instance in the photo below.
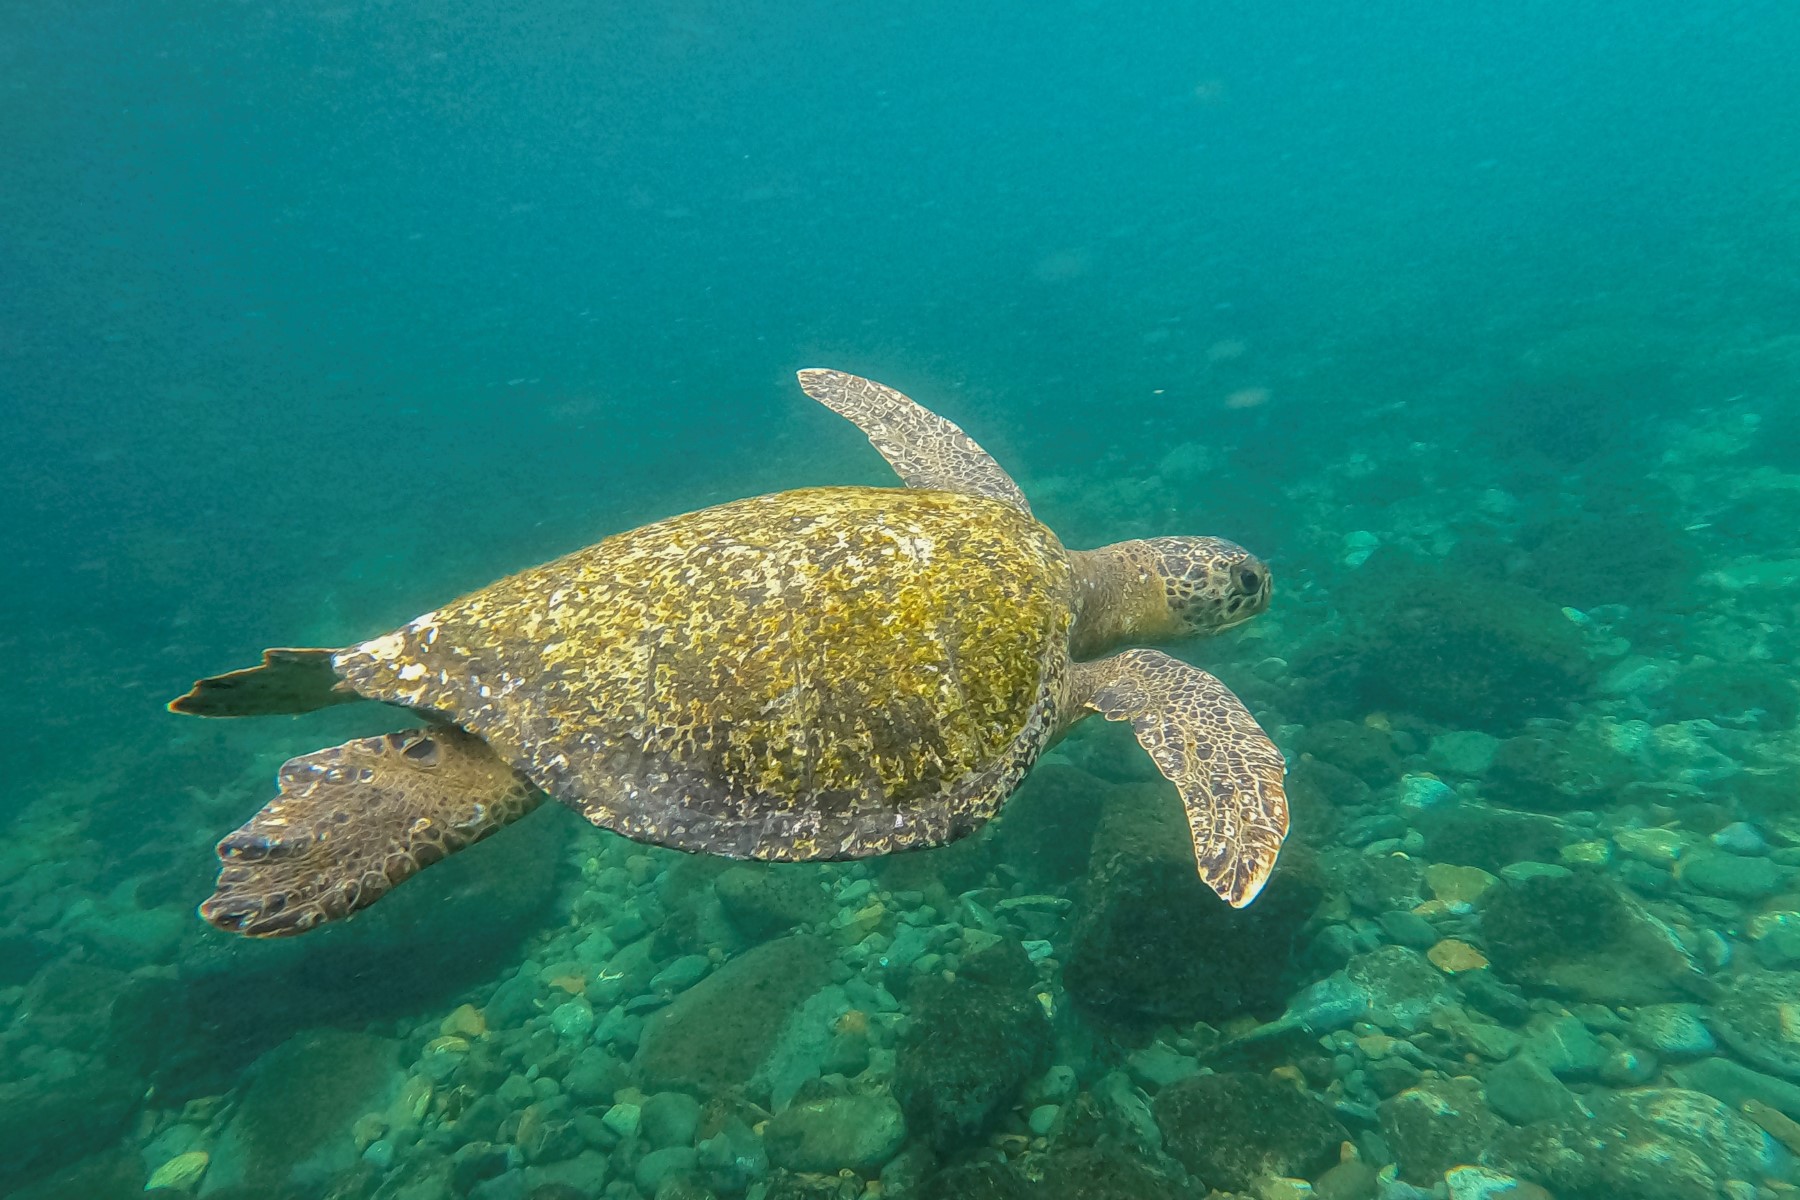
(1234, 1129)
(720, 1032)
(1582, 936)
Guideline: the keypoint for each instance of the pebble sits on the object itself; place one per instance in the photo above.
(623, 1119)
(465, 1021)
(1628, 1068)
(1657, 846)
(659, 1165)
(1043, 1119)
(1458, 885)
(1740, 837)
(573, 1020)
(1421, 792)
(1464, 752)
(1566, 1046)
(1407, 928)
(1519, 872)
(682, 974)
(1482, 1183)
(1586, 854)
(1775, 936)
(379, 1154)
(1453, 956)
(1730, 876)
(181, 1173)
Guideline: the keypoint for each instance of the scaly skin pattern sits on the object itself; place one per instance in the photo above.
(354, 820)
(823, 673)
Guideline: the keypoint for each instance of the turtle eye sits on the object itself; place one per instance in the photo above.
(1250, 580)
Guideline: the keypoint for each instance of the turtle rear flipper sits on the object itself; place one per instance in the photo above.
(354, 820)
(289, 680)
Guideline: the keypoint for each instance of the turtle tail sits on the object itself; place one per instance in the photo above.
(352, 821)
(287, 680)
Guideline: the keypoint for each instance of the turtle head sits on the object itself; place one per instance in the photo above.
(1208, 584)
(1164, 589)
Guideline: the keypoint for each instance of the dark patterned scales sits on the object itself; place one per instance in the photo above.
(354, 820)
(824, 673)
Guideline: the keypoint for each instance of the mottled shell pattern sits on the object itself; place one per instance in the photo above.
(824, 673)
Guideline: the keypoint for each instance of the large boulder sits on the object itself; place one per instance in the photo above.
(292, 1131)
(828, 1134)
(1154, 944)
(1233, 1129)
(47, 1122)
(720, 1033)
(762, 900)
(1583, 937)
(970, 1048)
(1647, 1143)
(1439, 1124)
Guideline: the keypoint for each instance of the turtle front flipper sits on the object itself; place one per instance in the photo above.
(287, 681)
(1206, 742)
(924, 449)
(354, 820)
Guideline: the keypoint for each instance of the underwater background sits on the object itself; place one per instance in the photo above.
(1479, 323)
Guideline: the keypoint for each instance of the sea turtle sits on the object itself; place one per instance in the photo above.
(828, 673)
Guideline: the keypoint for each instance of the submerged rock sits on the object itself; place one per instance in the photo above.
(718, 1033)
(293, 1128)
(1155, 944)
(970, 1049)
(1581, 936)
(1758, 1019)
(1437, 1125)
(762, 900)
(1650, 1144)
(834, 1133)
(1234, 1129)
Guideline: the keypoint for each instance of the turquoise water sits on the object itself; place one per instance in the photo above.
(1479, 325)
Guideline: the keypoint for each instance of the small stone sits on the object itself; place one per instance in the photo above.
(465, 1021)
(623, 1119)
(1519, 872)
(1775, 936)
(1276, 1187)
(1482, 1183)
(1565, 1046)
(1674, 1031)
(855, 1132)
(1419, 793)
(1462, 752)
(1158, 1066)
(1043, 1119)
(1657, 846)
(681, 974)
(1452, 956)
(1628, 1068)
(1732, 877)
(573, 1020)
(379, 1154)
(670, 1119)
(659, 1165)
(1408, 929)
(1586, 854)
(181, 1173)
(1524, 1090)
(1458, 885)
(1742, 838)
